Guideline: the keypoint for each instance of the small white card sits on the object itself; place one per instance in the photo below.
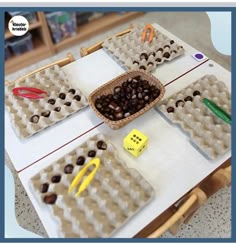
(199, 56)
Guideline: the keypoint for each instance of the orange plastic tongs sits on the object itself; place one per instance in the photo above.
(148, 30)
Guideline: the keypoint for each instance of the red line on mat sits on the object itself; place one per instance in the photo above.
(102, 122)
(186, 72)
(60, 147)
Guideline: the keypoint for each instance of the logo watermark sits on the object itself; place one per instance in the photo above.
(18, 25)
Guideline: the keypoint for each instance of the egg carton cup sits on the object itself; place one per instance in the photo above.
(114, 195)
(54, 81)
(128, 48)
(207, 132)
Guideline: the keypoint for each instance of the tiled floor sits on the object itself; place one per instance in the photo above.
(213, 219)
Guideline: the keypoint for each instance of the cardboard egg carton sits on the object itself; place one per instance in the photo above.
(209, 133)
(114, 195)
(21, 110)
(132, 53)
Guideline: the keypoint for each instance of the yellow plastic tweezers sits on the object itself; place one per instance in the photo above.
(81, 173)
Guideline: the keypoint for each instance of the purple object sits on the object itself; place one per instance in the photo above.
(198, 55)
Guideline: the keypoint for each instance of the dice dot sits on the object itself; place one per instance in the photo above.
(140, 139)
(134, 135)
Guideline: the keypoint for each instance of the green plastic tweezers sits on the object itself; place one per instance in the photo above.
(219, 112)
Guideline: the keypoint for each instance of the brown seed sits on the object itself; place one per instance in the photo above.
(158, 60)
(67, 103)
(135, 62)
(62, 95)
(77, 97)
(170, 110)
(68, 169)
(196, 93)
(52, 101)
(72, 91)
(166, 55)
(92, 153)
(118, 115)
(166, 46)
(34, 119)
(179, 103)
(44, 187)
(101, 145)
(143, 56)
(188, 98)
(56, 178)
(50, 199)
(117, 89)
(46, 113)
(80, 160)
(57, 109)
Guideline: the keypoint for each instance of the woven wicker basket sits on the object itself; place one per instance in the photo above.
(108, 89)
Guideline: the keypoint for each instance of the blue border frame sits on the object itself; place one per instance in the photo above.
(107, 9)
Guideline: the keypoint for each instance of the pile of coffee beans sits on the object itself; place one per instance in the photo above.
(128, 98)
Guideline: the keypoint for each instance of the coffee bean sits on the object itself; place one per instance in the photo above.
(101, 145)
(72, 91)
(50, 199)
(92, 153)
(170, 110)
(143, 56)
(44, 188)
(46, 113)
(80, 160)
(179, 103)
(188, 98)
(57, 109)
(67, 103)
(51, 101)
(34, 119)
(124, 84)
(62, 95)
(77, 97)
(166, 55)
(56, 179)
(196, 93)
(68, 169)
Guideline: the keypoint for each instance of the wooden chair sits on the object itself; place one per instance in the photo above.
(190, 203)
(61, 62)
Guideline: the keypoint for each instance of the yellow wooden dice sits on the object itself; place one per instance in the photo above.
(135, 142)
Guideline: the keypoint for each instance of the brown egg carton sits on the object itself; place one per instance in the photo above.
(29, 116)
(131, 52)
(209, 133)
(114, 195)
